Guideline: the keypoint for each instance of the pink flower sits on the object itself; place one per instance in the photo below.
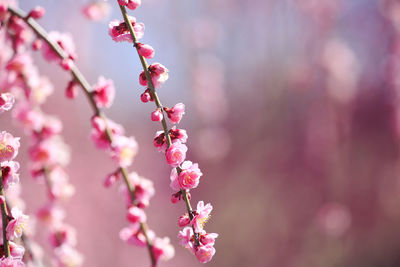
(158, 74)
(29, 118)
(17, 224)
(175, 198)
(50, 151)
(63, 234)
(64, 40)
(184, 220)
(144, 190)
(111, 179)
(9, 171)
(208, 238)
(51, 214)
(162, 249)
(202, 215)
(124, 149)
(16, 251)
(96, 10)
(67, 256)
(145, 50)
(146, 96)
(37, 12)
(134, 236)
(135, 215)
(11, 262)
(6, 101)
(9, 146)
(51, 126)
(72, 89)
(176, 154)
(98, 133)
(188, 178)
(178, 134)
(131, 4)
(186, 239)
(157, 115)
(119, 31)
(104, 92)
(205, 253)
(175, 114)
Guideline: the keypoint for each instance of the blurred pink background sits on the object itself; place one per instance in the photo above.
(292, 113)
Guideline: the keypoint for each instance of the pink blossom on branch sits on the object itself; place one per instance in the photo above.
(103, 92)
(176, 154)
(175, 113)
(9, 146)
(131, 4)
(17, 224)
(11, 262)
(119, 32)
(145, 50)
(6, 101)
(188, 178)
(202, 214)
(158, 74)
(96, 10)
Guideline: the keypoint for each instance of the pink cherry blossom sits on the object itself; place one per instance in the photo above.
(11, 262)
(9, 172)
(62, 39)
(6, 101)
(184, 220)
(134, 236)
(202, 215)
(37, 12)
(157, 115)
(51, 126)
(178, 134)
(124, 149)
(175, 114)
(131, 4)
(72, 89)
(63, 234)
(29, 118)
(158, 74)
(205, 253)
(119, 32)
(176, 154)
(9, 146)
(208, 238)
(146, 96)
(135, 215)
(111, 179)
(186, 239)
(188, 178)
(16, 251)
(162, 249)
(67, 256)
(96, 10)
(143, 190)
(51, 214)
(17, 224)
(145, 50)
(103, 92)
(98, 133)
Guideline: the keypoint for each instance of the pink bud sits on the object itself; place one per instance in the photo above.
(135, 215)
(37, 12)
(176, 197)
(2, 199)
(111, 179)
(156, 115)
(145, 50)
(72, 89)
(142, 79)
(37, 44)
(67, 64)
(184, 220)
(145, 97)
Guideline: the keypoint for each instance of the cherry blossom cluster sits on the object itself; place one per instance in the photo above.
(106, 135)
(14, 220)
(185, 174)
(48, 152)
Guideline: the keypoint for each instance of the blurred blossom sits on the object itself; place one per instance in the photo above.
(334, 219)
